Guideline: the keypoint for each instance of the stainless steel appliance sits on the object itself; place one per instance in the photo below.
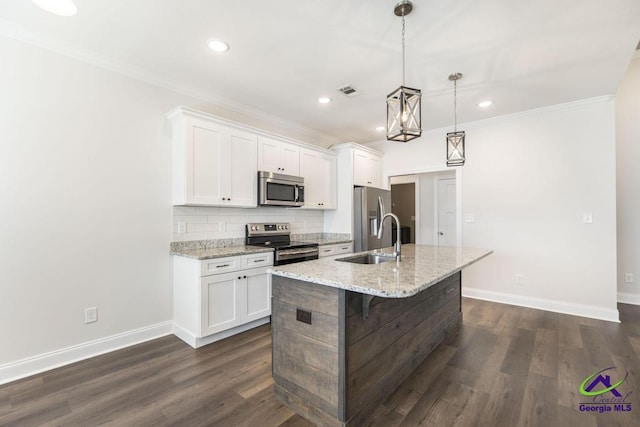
(276, 189)
(277, 236)
(368, 206)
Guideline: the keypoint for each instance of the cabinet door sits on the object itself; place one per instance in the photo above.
(310, 169)
(220, 302)
(204, 183)
(290, 159)
(319, 172)
(367, 169)
(278, 156)
(269, 155)
(242, 169)
(328, 174)
(258, 301)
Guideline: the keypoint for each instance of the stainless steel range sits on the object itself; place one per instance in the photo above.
(277, 235)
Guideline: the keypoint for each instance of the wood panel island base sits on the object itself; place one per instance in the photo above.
(337, 369)
(338, 353)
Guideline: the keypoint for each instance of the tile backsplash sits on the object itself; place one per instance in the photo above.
(204, 223)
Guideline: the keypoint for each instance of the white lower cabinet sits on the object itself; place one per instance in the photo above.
(337, 249)
(217, 298)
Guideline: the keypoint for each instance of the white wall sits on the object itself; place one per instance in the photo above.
(85, 207)
(628, 181)
(528, 179)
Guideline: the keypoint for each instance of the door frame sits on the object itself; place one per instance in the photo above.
(459, 176)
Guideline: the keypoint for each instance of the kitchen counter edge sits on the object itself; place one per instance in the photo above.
(348, 283)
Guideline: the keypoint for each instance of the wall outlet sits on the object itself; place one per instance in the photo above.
(587, 218)
(469, 218)
(182, 227)
(628, 277)
(90, 315)
(519, 280)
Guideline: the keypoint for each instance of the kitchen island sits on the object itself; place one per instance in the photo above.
(346, 335)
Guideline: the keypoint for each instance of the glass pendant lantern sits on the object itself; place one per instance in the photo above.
(455, 139)
(404, 110)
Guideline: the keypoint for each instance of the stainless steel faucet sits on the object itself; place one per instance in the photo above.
(397, 252)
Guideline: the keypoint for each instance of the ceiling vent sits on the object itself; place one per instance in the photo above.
(349, 91)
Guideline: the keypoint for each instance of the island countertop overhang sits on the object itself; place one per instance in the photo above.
(421, 266)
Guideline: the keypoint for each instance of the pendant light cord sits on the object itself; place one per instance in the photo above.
(455, 105)
(403, 72)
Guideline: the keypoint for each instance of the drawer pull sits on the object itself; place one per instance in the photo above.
(449, 290)
(259, 260)
(326, 250)
(222, 265)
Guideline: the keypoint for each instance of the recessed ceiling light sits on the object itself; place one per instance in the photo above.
(380, 128)
(218, 45)
(57, 7)
(324, 100)
(484, 104)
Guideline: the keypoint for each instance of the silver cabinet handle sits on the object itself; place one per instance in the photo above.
(222, 265)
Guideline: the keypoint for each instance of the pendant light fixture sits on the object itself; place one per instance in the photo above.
(403, 104)
(455, 139)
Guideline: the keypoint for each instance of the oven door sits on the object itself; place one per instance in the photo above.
(289, 256)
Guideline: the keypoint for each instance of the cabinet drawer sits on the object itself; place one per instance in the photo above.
(264, 259)
(329, 250)
(220, 265)
(344, 248)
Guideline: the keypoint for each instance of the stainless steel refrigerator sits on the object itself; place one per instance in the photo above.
(367, 214)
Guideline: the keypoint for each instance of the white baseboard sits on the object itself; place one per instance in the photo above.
(196, 342)
(628, 298)
(544, 304)
(55, 359)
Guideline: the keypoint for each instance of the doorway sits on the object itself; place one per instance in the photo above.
(403, 204)
(434, 204)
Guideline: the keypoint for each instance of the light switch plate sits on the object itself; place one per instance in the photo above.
(469, 218)
(628, 277)
(182, 227)
(587, 217)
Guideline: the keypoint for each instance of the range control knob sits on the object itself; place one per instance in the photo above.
(286, 226)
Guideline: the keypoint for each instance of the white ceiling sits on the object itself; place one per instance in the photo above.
(285, 54)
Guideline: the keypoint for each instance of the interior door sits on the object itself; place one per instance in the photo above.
(447, 212)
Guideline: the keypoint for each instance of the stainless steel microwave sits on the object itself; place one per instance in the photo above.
(275, 189)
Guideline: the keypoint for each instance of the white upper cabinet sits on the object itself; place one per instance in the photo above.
(214, 164)
(278, 156)
(367, 169)
(319, 172)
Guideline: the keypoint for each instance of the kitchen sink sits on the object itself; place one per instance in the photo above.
(368, 259)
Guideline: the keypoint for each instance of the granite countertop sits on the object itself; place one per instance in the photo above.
(221, 252)
(421, 267)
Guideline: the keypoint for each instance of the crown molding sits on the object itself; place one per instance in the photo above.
(29, 36)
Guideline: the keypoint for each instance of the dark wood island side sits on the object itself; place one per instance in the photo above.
(345, 335)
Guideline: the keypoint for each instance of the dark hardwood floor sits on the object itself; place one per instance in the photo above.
(505, 366)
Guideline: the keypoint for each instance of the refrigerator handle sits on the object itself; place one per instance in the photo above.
(379, 213)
